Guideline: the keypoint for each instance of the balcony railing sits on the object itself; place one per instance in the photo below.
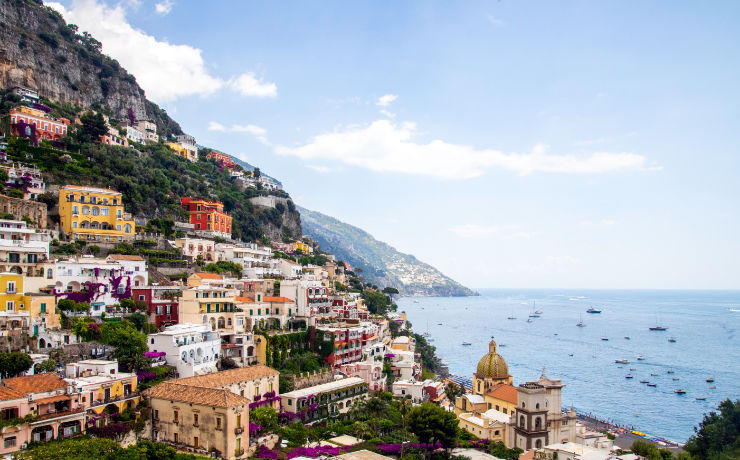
(238, 430)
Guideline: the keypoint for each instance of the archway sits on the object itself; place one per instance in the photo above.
(42, 343)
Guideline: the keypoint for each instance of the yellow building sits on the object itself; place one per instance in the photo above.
(20, 311)
(101, 385)
(94, 214)
(184, 150)
(303, 247)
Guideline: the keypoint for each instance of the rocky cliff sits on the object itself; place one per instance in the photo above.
(381, 263)
(40, 51)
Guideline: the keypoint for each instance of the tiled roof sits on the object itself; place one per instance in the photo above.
(277, 299)
(126, 257)
(209, 276)
(174, 391)
(229, 377)
(245, 299)
(9, 393)
(504, 392)
(40, 383)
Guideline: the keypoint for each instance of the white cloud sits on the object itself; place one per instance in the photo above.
(551, 265)
(385, 146)
(213, 126)
(251, 129)
(166, 71)
(388, 113)
(164, 7)
(607, 222)
(386, 100)
(495, 21)
(249, 85)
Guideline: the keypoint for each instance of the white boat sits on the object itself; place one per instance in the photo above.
(581, 323)
(641, 358)
(593, 310)
(734, 310)
(680, 391)
(621, 361)
(466, 343)
(529, 320)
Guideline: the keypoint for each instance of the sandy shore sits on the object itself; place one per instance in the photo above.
(624, 434)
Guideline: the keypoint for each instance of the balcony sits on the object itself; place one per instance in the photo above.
(238, 430)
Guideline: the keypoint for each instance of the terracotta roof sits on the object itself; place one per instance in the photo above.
(209, 276)
(229, 377)
(40, 383)
(174, 391)
(245, 299)
(277, 299)
(9, 393)
(504, 392)
(53, 399)
(126, 257)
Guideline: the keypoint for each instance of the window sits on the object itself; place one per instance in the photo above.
(11, 287)
(127, 228)
(521, 421)
(9, 442)
(218, 423)
(239, 420)
(176, 416)
(49, 273)
(75, 211)
(195, 422)
(95, 211)
(119, 213)
(43, 308)
(537, 406)
(104, 211)
(195, 441)
(176, 435)
(9, 305)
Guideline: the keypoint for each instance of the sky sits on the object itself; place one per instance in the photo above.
(571, 144)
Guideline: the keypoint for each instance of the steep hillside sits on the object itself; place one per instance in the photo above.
(381, 264)
(39, 50)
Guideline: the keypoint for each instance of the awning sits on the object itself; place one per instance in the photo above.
(52, 399)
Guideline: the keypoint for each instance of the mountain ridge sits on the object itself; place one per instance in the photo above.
(381, 263)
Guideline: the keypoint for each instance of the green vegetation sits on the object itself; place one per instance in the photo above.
(152, 181)
(14, 363)
(650, 451)
(718, 435)
(224, 266)
(102, 449)
(47, 365)
(430, 423)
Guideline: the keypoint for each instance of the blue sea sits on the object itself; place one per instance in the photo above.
(707, 345)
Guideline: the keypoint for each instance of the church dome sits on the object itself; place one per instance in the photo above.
(492, 365)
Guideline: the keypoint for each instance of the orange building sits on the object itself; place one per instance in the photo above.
(37, 124)
(207, 216)
(222, 158)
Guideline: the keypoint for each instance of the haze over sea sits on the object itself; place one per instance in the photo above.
(707, 345)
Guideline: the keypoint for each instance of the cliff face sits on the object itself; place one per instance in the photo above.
(40, 51)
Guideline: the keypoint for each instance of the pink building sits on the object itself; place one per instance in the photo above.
(369, 371)
(56, 412)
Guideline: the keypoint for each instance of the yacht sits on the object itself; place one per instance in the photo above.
(670, 371)
(466, 344)
(701, 398)
(621, 361)
(605, 339)
(654, 374)
(676, 379)
(710, 380)
(529, 320)
(626, 337)
(672, 339)
(535, 313)
(680, 391)
(712, 387)
(628, 376)
(658, 328)
(593, 310)
(641, 358)
(652, 384)
(581, 323)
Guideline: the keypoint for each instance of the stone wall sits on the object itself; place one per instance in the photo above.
(24, 208)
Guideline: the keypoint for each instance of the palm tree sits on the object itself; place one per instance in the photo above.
(405, 407)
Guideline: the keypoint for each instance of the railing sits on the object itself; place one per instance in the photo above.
(238, 430)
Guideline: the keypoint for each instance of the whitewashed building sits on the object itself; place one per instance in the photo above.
(191, 348)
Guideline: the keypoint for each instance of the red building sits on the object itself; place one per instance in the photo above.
(222, 158)
(162, 309)
(36, 124)
(207, 216)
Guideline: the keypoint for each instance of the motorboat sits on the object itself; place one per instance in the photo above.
(653, 374)
(644, 381)
(538, 312)
(701, 398)
(628, 376)
(632, 369)
(570, 354)
(641, 358)
(593, 310)
(672, 339)
(658, 328)
(680, 391)
(626, 337)
(652, 384)
(712, 387)
(529, 320)
(621, 361)
(676, 379)
(710, 380)
(605, 339)
(466, 344)
(670, 371)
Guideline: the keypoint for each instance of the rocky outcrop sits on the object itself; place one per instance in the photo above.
(38, 50)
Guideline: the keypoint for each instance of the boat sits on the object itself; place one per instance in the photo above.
(658, 328)
(535, 313)
(644, 381)
(621, 361)
(416, 301)
(672, 339)
(641, 358)
(626, 337)
(632, 369)
(628, 376)
(680, 391)
(653, 374)
(593, 310)
(570, 354)
(670, 371)
(701, 398)
(529, 320)
(466, 343)
(712, 387)
(734, 310)
(652, 384)
(581, 323)
(605, 339)
(675, 379)
(431, 339)
(439, 324)
(710, 380)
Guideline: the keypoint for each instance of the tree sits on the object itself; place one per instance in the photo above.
(227, 363)
(47, 365)
(138, 319)
(130, 344)
(431, 424)
(376, 302)
(454, 391)
(266, 417)
(93, 127)
(718, 434)
(14, 363)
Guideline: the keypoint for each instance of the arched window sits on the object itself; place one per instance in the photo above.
(521, 421)
(127, 228)
(537, 406)
(537, 423)
(86, 210)
(95, 211)
(478, 386)
(538, 444)
(523, 405)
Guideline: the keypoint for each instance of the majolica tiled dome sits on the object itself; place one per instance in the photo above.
(492, 365)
